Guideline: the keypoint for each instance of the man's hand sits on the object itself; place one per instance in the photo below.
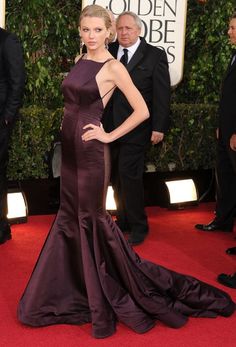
(156, 137)
(232, 142)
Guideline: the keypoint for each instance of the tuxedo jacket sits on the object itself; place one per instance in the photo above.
(149, 72)
(227, 105)
(12, 75)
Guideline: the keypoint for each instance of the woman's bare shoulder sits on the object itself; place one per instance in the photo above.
(115, 65)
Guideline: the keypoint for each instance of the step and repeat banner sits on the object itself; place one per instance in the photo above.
(2, 13)
(164, 23)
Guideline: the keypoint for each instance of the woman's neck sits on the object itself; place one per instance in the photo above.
(97, 55)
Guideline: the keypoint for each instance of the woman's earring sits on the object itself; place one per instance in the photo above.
(106, 43)
(81, 44)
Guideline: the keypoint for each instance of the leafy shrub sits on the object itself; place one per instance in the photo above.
(32, 139)
(207, 51)
(50, 39)
(191, 141)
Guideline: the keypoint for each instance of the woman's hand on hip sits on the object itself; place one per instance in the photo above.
(95, 133)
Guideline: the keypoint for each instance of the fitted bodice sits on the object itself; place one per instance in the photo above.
(80, 88)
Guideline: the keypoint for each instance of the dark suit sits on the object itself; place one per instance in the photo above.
(226, 157)
(148, 69)
(12, 80)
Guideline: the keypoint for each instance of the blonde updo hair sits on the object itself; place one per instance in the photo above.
(96, 11)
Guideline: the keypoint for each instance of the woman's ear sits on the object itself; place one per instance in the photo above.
(108, 33)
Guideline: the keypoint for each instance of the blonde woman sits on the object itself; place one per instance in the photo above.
(86, 271)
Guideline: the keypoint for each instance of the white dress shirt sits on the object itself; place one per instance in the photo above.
(131, 50)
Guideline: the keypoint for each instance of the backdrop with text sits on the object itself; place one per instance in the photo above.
(164, 25)
(2, 13)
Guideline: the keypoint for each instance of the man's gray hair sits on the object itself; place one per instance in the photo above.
(133, 15)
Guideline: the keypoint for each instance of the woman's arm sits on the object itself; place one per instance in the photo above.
(120, 77)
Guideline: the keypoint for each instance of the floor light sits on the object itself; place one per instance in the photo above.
(17, 206)
(110, 201)
(182, 193)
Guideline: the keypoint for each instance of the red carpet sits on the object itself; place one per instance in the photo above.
(172, 242)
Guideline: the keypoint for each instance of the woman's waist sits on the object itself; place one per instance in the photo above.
(78, 111)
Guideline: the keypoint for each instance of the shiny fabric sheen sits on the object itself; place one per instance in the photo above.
(87, 272)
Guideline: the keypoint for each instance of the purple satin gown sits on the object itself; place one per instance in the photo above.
(86, 271)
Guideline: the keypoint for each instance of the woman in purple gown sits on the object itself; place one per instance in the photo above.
(86, 271)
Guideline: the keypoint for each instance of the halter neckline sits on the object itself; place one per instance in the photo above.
(94, 61)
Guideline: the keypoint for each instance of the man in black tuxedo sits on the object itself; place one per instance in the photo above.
(148, 68)
(226, 157)
(226, 203)
(12, 81)
(226, 148)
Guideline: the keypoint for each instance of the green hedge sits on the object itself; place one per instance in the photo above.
(49, 35)
(32, 138)
(190, 143)
(207, 51)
